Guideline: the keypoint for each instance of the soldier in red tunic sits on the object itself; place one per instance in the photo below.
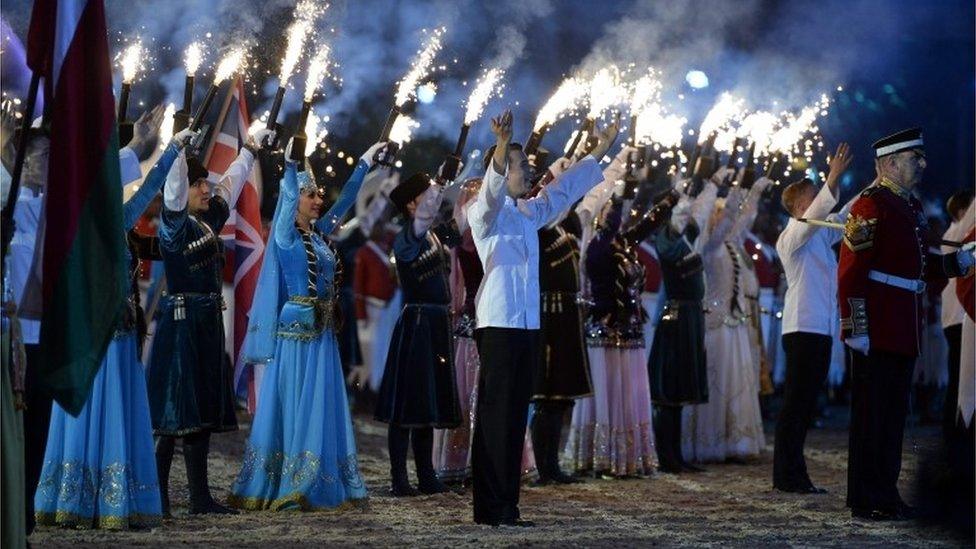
(885, 265)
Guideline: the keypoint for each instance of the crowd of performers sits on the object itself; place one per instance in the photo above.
(487, 313)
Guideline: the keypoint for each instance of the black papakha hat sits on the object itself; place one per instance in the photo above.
(898, 142)
(195, 170)
(405, 192)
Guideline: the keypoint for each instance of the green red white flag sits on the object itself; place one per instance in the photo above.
(79, 267)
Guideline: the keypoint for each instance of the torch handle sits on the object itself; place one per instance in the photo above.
(202, 111)
(632, 130)
(462, 139)
(584, 129)
(773, 161)
(124, 100)
(535, 139)
(188, 94)
(390, 120)
(275, 107)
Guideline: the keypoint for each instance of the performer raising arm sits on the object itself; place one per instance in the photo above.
(504, 227)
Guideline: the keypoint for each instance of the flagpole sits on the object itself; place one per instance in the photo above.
(8, 209)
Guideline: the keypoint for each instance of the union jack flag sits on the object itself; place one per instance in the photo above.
(242, 235)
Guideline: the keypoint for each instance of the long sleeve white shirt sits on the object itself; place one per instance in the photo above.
(810, 266)
(952, 311)
(505, 233)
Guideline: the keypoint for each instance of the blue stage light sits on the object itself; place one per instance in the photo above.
(697, 79)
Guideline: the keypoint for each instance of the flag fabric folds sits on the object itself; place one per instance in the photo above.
(78, 283)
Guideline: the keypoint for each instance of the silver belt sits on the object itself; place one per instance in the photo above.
(910, 284)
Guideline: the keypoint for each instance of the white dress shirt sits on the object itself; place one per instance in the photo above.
(505, 233)
(811, 268)
(952, 311)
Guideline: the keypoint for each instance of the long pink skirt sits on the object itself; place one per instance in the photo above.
(452, 447)
(611, 431)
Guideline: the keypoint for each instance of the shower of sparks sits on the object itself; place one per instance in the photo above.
(229, 65)
(258, 123)
(132, 61)
(318, 68)
(488, 85)
(605, 91)
(655, 126)
(421, 68)
(166, 128)
(306, 12)
(403, 127)
(720, 117)
(316, 131)
(758, 128)
(564, 100)
(644, 91)
(193, 57)
(794, 128)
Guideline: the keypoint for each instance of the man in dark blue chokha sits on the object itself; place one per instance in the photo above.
(190, 386)
(418, 392)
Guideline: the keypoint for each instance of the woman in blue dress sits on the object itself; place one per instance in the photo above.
(99, 470)
(301, 453)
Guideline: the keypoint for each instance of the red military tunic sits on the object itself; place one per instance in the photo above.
(652, 268)
(885, 238)
(374, 278)
(767, 269)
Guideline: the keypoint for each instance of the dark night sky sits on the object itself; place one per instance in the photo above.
(901, 62)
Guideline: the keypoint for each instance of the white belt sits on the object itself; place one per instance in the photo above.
(910, 284)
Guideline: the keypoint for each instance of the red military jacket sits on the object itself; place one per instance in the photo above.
(652, 268)
(767, 267)
(886, 233)
(373, 277)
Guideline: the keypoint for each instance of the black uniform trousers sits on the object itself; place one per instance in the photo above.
(807, 362)
(950, 413)
(880, 384)
(37, 420)
(509, 358)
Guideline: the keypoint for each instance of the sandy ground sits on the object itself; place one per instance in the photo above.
(727, 505)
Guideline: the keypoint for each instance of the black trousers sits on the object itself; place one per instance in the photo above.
(953, 335)
(807, 362)
(37, 420)
(508, 361)
(880, 384)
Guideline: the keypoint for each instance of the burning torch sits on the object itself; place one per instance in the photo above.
(191, 60)
(476, 105)
(297, 34)
(131, 62)
(225, 69)
(406, 90)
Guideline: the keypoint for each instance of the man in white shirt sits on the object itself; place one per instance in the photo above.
(960, 210)
(809, 312)
(505, 230)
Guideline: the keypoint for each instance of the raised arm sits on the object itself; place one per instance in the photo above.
(590, 206)
(750, 207)
(284, 231)
(715, 236)
(485, 208)
(430, 203)
(176, 191)
(653, 218)
(347, 198)
(140, 200)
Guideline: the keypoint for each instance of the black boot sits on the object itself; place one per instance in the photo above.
(423, 448)
(165, 447)
(664, 439)
(676, 437)
(554, 431)
(540, 442)
(196, 448)
(397, 440)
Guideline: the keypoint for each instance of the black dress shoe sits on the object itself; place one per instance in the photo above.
(520, 523)
(801, 489)
(542, 481)
(670, 468)
(432, 486)
(877, 514)
(404, 490)
(560, 477)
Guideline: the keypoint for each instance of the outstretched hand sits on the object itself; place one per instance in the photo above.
(838, 165)
(501, 126)
(146, 128)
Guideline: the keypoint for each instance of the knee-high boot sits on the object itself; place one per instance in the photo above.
(165, 446)
(397, 440)
(196, 448)
(554, 431)
(540, 442)
(423, 446)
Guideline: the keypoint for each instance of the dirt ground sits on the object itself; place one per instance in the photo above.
(727, 505)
